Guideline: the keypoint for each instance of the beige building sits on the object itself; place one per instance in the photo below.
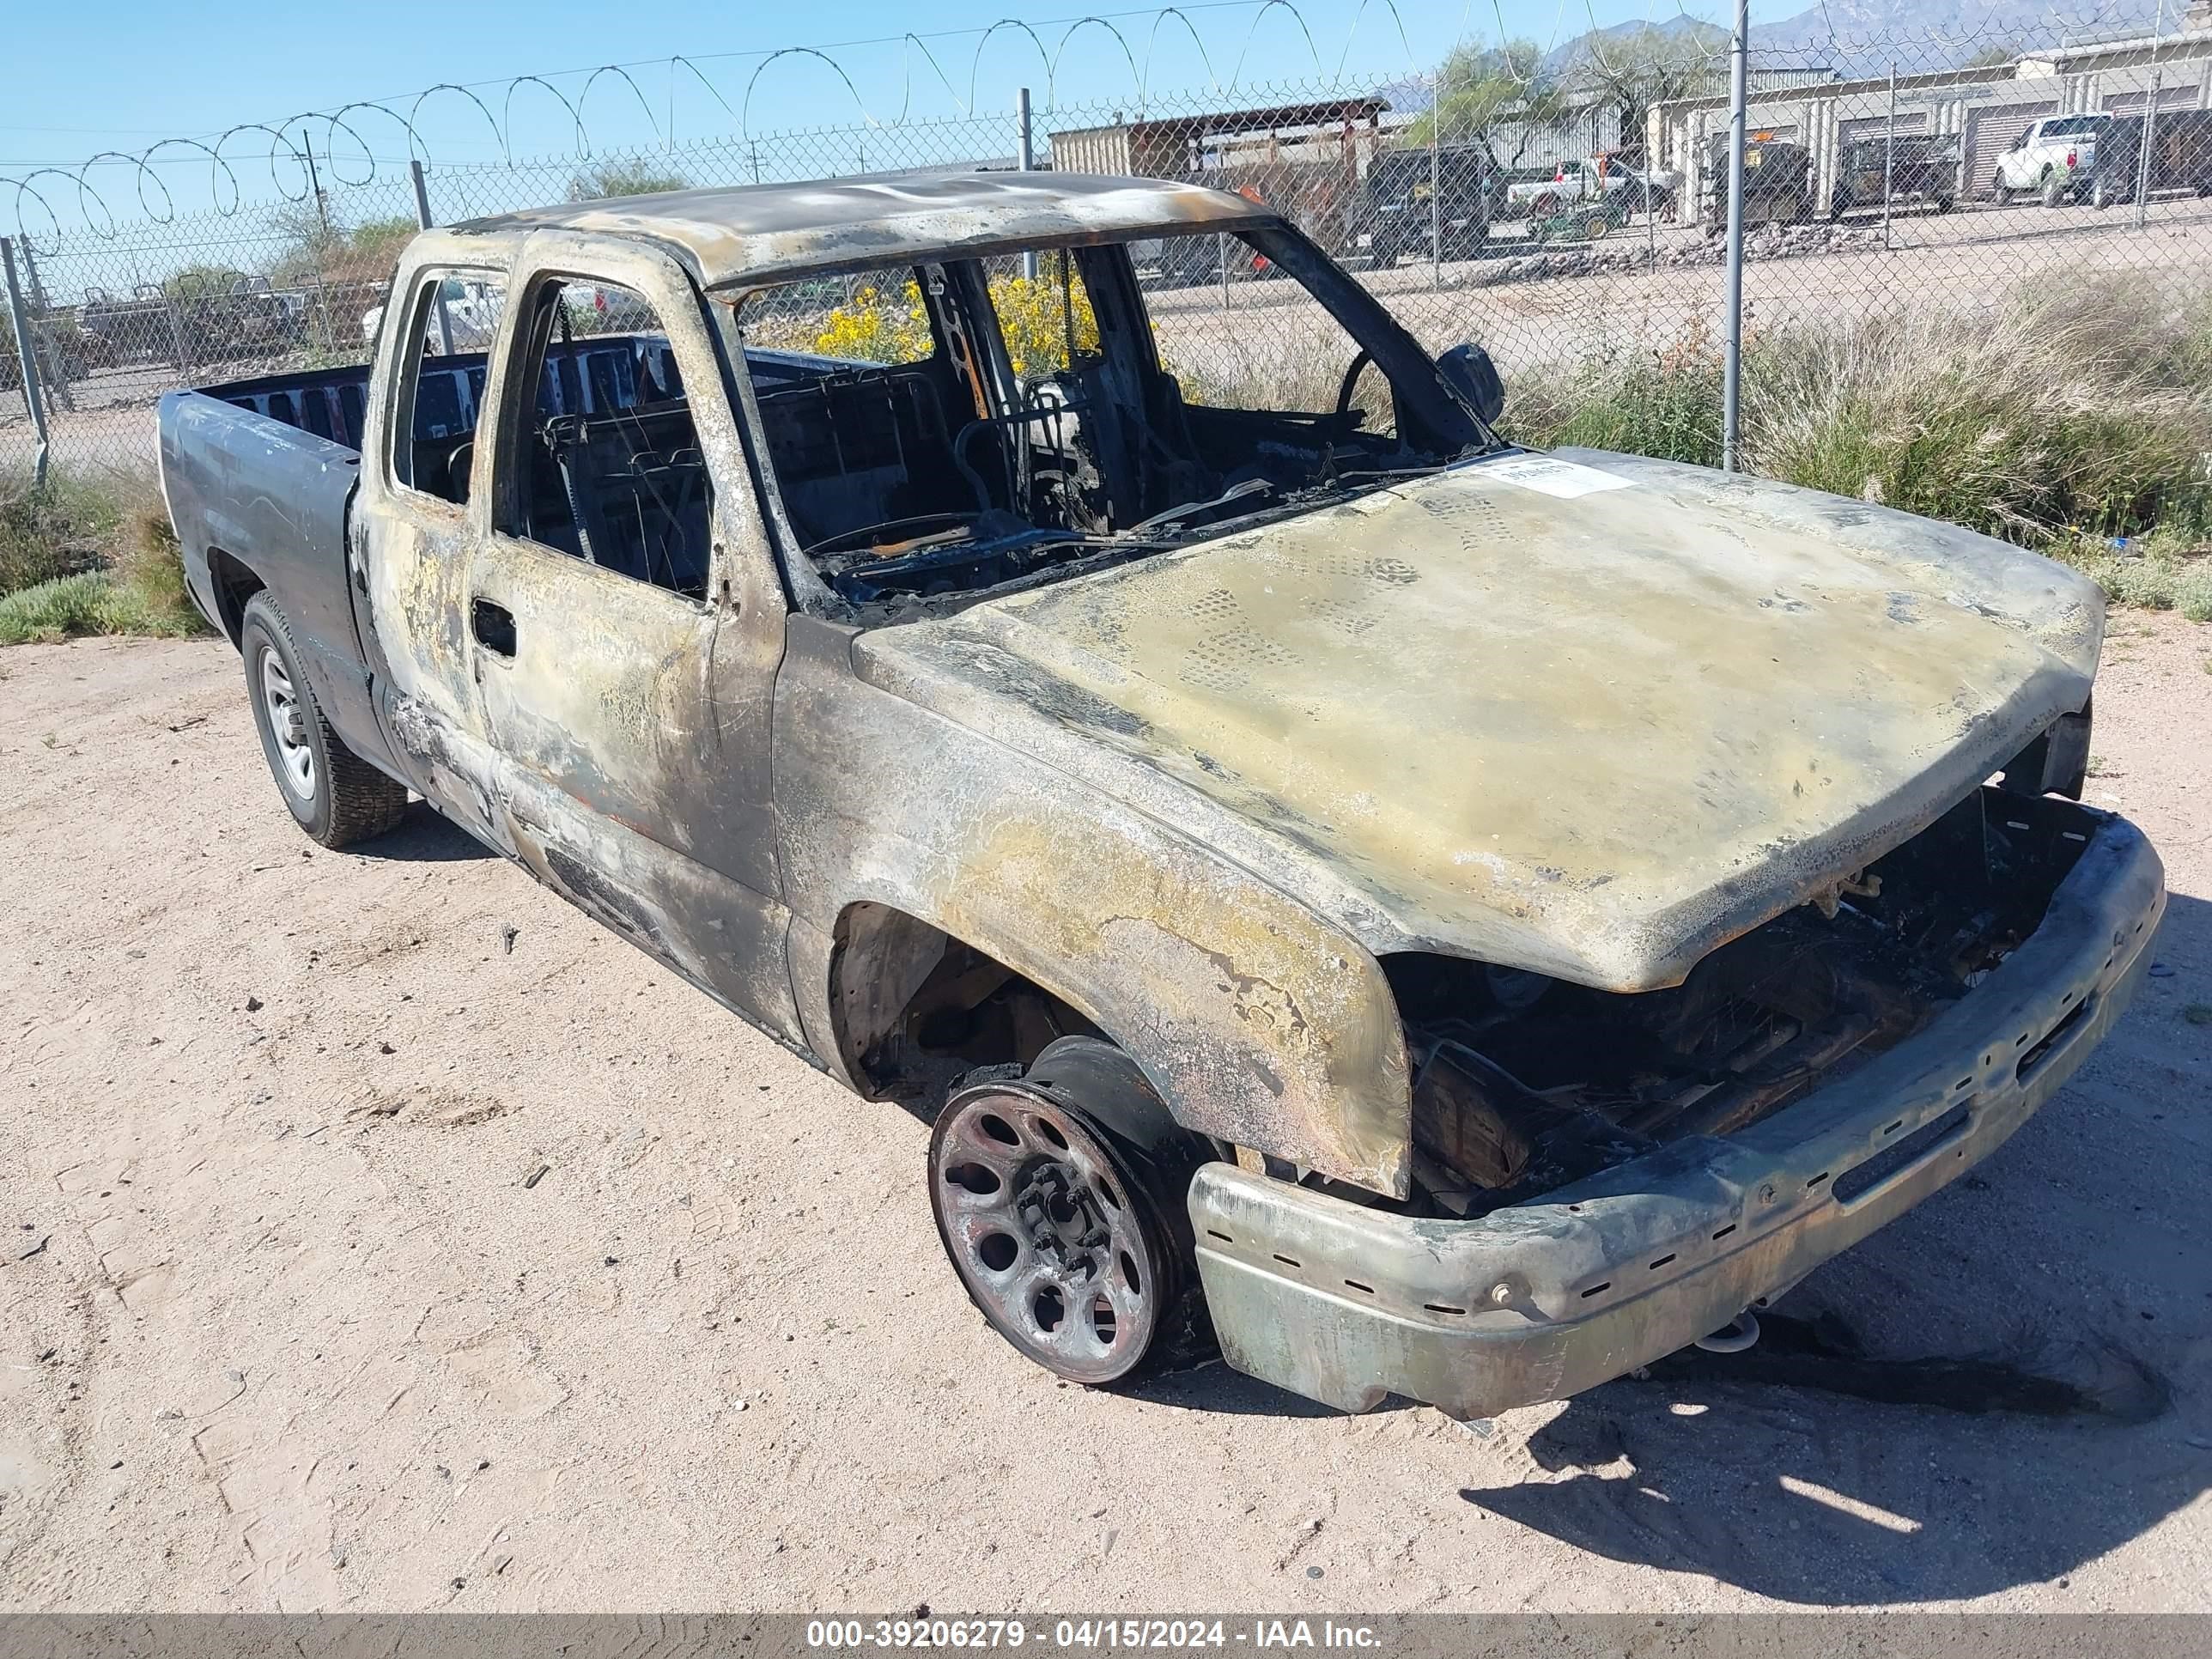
(1987, 109)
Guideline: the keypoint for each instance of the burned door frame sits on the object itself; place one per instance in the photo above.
(408, 555)
(631, 722)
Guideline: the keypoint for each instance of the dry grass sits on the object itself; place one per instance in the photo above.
(90, 555)
(2071, 420)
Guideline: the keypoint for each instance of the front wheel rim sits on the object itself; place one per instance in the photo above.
(281, 703)
(1044, 1231)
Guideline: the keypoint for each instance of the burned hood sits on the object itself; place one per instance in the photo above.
(1580, 713)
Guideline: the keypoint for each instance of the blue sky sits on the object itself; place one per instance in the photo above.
(181, 74)
(120, 74)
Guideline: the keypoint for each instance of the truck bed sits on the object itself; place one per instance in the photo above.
(584, 378)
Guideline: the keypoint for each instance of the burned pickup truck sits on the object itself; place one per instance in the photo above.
(1429, 917)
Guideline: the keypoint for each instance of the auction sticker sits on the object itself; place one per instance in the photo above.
(1549, 477)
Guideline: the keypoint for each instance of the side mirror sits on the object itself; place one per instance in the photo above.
(1467, 370)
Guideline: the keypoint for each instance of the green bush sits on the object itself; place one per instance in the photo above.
(2159, 571)
(90, 555)
(2060, 419)
(1670, 410)
(58, 528)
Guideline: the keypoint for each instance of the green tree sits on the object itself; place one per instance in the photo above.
(1485, 93)
(380, 240)
(1647, 66)
(624, 178)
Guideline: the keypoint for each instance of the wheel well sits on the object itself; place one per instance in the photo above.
(234, 586)
(914, 1008)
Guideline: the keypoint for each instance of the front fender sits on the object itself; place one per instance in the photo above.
(1259, 1022)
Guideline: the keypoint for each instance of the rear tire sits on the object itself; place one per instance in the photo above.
(2054, 189)
(2001, 191)
(333, 794)
(1059, 1196)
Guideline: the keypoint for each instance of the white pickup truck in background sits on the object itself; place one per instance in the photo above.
(1593, 178)
(2048, 157)
(471, 309)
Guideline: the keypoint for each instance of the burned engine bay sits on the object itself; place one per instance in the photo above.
(1525, 1083)
(917, 487)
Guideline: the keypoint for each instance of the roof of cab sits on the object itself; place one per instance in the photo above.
(744, 235)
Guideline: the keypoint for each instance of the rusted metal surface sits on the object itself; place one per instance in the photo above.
(1257, 1020)
(1590, 722)
(756, 232)
(1593, 736)
(620, 751)
(1546, 1299)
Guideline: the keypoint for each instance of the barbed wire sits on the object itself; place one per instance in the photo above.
(291, 162)
(287, 161)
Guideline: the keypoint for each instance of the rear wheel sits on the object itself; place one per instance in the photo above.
(337, 797)
(1060, 1197)
(2002, 191)
(2054, 189)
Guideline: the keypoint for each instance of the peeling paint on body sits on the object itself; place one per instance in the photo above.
(1593, 736)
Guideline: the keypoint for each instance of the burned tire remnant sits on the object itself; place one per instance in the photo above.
(1059, 1194)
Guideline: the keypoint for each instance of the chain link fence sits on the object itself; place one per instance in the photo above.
(1928, 222)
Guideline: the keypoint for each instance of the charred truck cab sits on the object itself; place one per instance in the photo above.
(1427, 917)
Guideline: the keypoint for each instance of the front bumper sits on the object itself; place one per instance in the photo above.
(1347, 1304)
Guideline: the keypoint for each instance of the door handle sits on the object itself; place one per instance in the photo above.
(494, 627)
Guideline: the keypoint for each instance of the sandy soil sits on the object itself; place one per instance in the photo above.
(378, 1233)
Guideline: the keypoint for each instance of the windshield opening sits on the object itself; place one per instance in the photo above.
(937, 433)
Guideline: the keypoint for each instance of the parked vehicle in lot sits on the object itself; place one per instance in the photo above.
(1413, 197)
(66, 353)
(1902, 168)
(2180, 155)
(244, 319)
(467, 310)
(1444, 920)
(1583, 222)
(2049, 158)
(1777, 183)
(1595, 177)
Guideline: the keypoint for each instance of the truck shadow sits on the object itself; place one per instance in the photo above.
(2009, 1381)
(424, 837)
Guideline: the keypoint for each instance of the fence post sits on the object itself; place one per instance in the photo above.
(322, 218)
(56, 390)
(2143, 158)
(1732, 363)
(1889, 154)
(2150, 123)
(1028, 161)
(423, 222)
(27, 357)
(176, 333)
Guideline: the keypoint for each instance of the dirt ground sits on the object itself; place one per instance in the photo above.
(375, 1232)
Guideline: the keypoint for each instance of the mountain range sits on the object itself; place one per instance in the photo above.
(1863, 37)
